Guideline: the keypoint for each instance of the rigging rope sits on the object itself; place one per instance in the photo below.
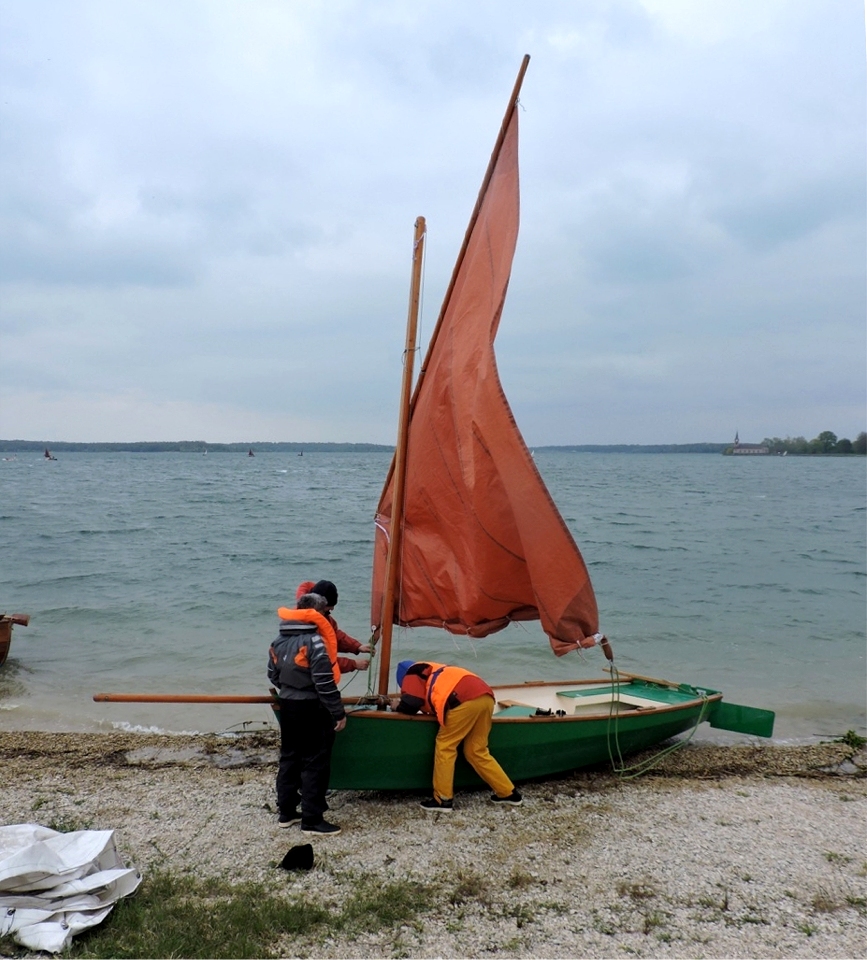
(630, 773)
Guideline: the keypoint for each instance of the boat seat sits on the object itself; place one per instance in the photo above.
(595, 698)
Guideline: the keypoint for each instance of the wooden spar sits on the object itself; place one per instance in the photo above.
(392, 566)
(513, 102)
(177, 698)
(638, 676)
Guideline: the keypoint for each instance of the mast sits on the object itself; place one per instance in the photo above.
(392, 566)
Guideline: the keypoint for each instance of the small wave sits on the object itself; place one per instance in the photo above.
(137, 728)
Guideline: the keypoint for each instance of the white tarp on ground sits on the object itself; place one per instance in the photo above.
(54, 885)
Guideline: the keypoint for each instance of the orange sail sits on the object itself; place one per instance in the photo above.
(482, 543)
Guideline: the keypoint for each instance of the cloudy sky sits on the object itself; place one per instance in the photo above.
(207, 213)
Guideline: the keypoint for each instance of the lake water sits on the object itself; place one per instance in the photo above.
(162, 573)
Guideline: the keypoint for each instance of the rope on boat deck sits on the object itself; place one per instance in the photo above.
(630, 773)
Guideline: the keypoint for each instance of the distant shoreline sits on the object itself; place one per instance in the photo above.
(200, 446)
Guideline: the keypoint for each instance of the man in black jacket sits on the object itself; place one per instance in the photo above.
(303, 666)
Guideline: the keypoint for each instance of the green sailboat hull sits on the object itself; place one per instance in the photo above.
(381, 750)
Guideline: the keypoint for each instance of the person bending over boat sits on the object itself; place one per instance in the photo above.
(302, 665)
(345, 643)
(464, 705)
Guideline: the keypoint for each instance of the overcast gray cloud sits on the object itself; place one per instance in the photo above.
(207, 209)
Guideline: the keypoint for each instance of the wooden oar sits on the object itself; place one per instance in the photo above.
(177, 698)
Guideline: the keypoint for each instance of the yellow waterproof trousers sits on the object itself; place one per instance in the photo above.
(468, 723)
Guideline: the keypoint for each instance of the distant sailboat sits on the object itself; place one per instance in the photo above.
(47, 455)
(250, 453)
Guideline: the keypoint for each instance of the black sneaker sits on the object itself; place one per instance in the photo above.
(287, 819)
(437, 806)
(322, 829)
(514, 799)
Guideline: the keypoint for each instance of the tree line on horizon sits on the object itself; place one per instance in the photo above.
(201, 446)
(826, 443)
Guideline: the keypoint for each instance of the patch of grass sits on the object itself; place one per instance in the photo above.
(753, 918)
(720, 905)
(519, 879)
(840, 858)
(652, 920)
(824, 902)
(603, 925)
(807, 928)
(852, 739)
(636, 891)
(381, 905)
(69, 824)
(470, 886)
(557, 907)
(858, 903)
(9, 948)
(522, 914)
(175, 915)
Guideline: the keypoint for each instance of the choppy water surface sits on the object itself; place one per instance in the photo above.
(162, 572)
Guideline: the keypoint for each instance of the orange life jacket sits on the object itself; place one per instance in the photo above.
(324, 629)
(440, 686)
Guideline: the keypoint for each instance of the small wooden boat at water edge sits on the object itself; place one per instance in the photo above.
(6, 622)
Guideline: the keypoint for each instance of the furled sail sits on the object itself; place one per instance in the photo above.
(482, 543)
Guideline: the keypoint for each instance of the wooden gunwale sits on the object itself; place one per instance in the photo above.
(603, 715)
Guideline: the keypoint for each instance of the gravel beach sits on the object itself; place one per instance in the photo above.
(738, 851)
